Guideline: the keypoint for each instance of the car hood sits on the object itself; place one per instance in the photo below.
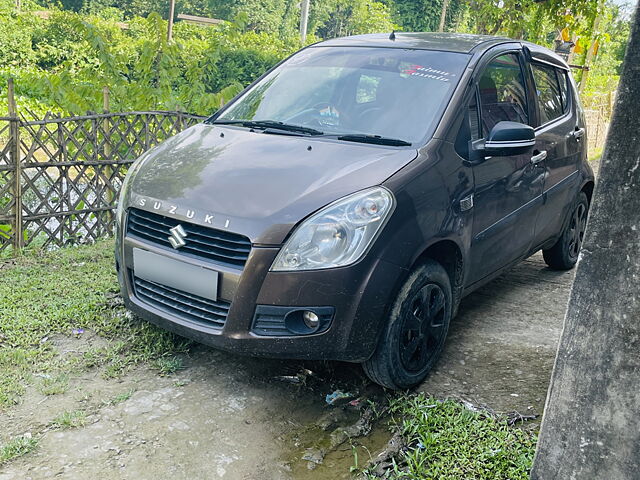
(255, 183)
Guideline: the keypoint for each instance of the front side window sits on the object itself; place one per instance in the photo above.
(502, 93)
(548, 92)
(398, 93)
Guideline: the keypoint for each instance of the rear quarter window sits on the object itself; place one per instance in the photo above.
(563, 79)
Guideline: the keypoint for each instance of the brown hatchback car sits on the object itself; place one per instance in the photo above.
(342, 205)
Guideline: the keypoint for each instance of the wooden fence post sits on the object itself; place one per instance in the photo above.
(14, 154)
(108, 170)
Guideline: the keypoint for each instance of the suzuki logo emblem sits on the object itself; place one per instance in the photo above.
(176, 239)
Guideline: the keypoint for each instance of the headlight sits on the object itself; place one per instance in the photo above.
(337, 235)
(122, 196)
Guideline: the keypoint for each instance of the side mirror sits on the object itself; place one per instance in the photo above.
(509, 138)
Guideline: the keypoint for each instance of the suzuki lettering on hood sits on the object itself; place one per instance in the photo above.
(174, 210)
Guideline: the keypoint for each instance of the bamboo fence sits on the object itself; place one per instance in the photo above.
(60, 177)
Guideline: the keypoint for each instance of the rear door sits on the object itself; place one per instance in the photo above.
(559, 138)
(508, 189)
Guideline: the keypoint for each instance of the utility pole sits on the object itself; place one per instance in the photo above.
(172, 10)
(591, 428)
(304, 18)
(443, 15)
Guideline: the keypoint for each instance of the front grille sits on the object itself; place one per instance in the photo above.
(181, 304)
(222, 247)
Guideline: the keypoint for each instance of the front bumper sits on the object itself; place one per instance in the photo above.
(359, 295)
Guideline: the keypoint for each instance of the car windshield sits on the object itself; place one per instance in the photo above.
(388, 92)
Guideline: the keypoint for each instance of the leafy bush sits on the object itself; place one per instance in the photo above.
(61, 63)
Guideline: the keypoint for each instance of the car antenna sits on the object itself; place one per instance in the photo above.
(393, 35)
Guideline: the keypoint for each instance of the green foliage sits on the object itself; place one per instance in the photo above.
(67, 59)
(612, 36)
(258, 15)
(336, 18)
(424, 15)
(538, 22)
(449, 441)
(61, 62)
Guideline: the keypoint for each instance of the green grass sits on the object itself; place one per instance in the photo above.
(68, 420)
(53, 385)
(47, 293)
(17, 447)
(168, 365)
(448, 441)
(121, 397)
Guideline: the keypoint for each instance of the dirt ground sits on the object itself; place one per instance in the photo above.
(231, 417)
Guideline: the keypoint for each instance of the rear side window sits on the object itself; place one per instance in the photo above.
(548, 92)
(502, 93)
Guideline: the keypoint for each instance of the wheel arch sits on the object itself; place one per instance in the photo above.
(450, 255)
(588, 188)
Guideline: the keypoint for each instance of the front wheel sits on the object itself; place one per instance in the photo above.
(413, 340)
(563, 255)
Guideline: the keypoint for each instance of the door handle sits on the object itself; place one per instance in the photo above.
(538, 157)
(578, 133)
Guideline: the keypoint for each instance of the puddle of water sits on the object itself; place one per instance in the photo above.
(339, 462)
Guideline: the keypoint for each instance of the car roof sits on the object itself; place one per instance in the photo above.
(450, 42)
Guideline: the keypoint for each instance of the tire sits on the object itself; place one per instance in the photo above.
(563, 255)
(414, 337)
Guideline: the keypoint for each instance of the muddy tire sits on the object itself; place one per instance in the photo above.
(564, 253)
(414, 337)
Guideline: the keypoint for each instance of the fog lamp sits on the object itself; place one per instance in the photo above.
(310, 319)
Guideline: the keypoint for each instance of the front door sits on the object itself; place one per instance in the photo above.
(508, 189)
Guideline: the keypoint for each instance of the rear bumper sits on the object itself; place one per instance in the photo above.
(359, 295)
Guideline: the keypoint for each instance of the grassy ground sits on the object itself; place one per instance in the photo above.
(448, 440)
(67, 292)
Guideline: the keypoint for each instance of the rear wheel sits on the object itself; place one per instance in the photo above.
(417, 329)
(563, 255)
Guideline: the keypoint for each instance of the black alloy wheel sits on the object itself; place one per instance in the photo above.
(422, 327)
(564, 254)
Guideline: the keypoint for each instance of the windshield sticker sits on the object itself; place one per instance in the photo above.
(427, 72)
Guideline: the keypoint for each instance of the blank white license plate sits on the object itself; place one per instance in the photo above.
(172, 273)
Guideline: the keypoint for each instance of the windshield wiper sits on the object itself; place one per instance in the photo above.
(375, 139)
(270, 124)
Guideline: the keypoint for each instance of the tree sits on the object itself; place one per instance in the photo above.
(590, 427)
(536, 21)
(337, 18)
(424, 15)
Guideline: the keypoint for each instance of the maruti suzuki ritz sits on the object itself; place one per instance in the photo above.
(343, 204)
